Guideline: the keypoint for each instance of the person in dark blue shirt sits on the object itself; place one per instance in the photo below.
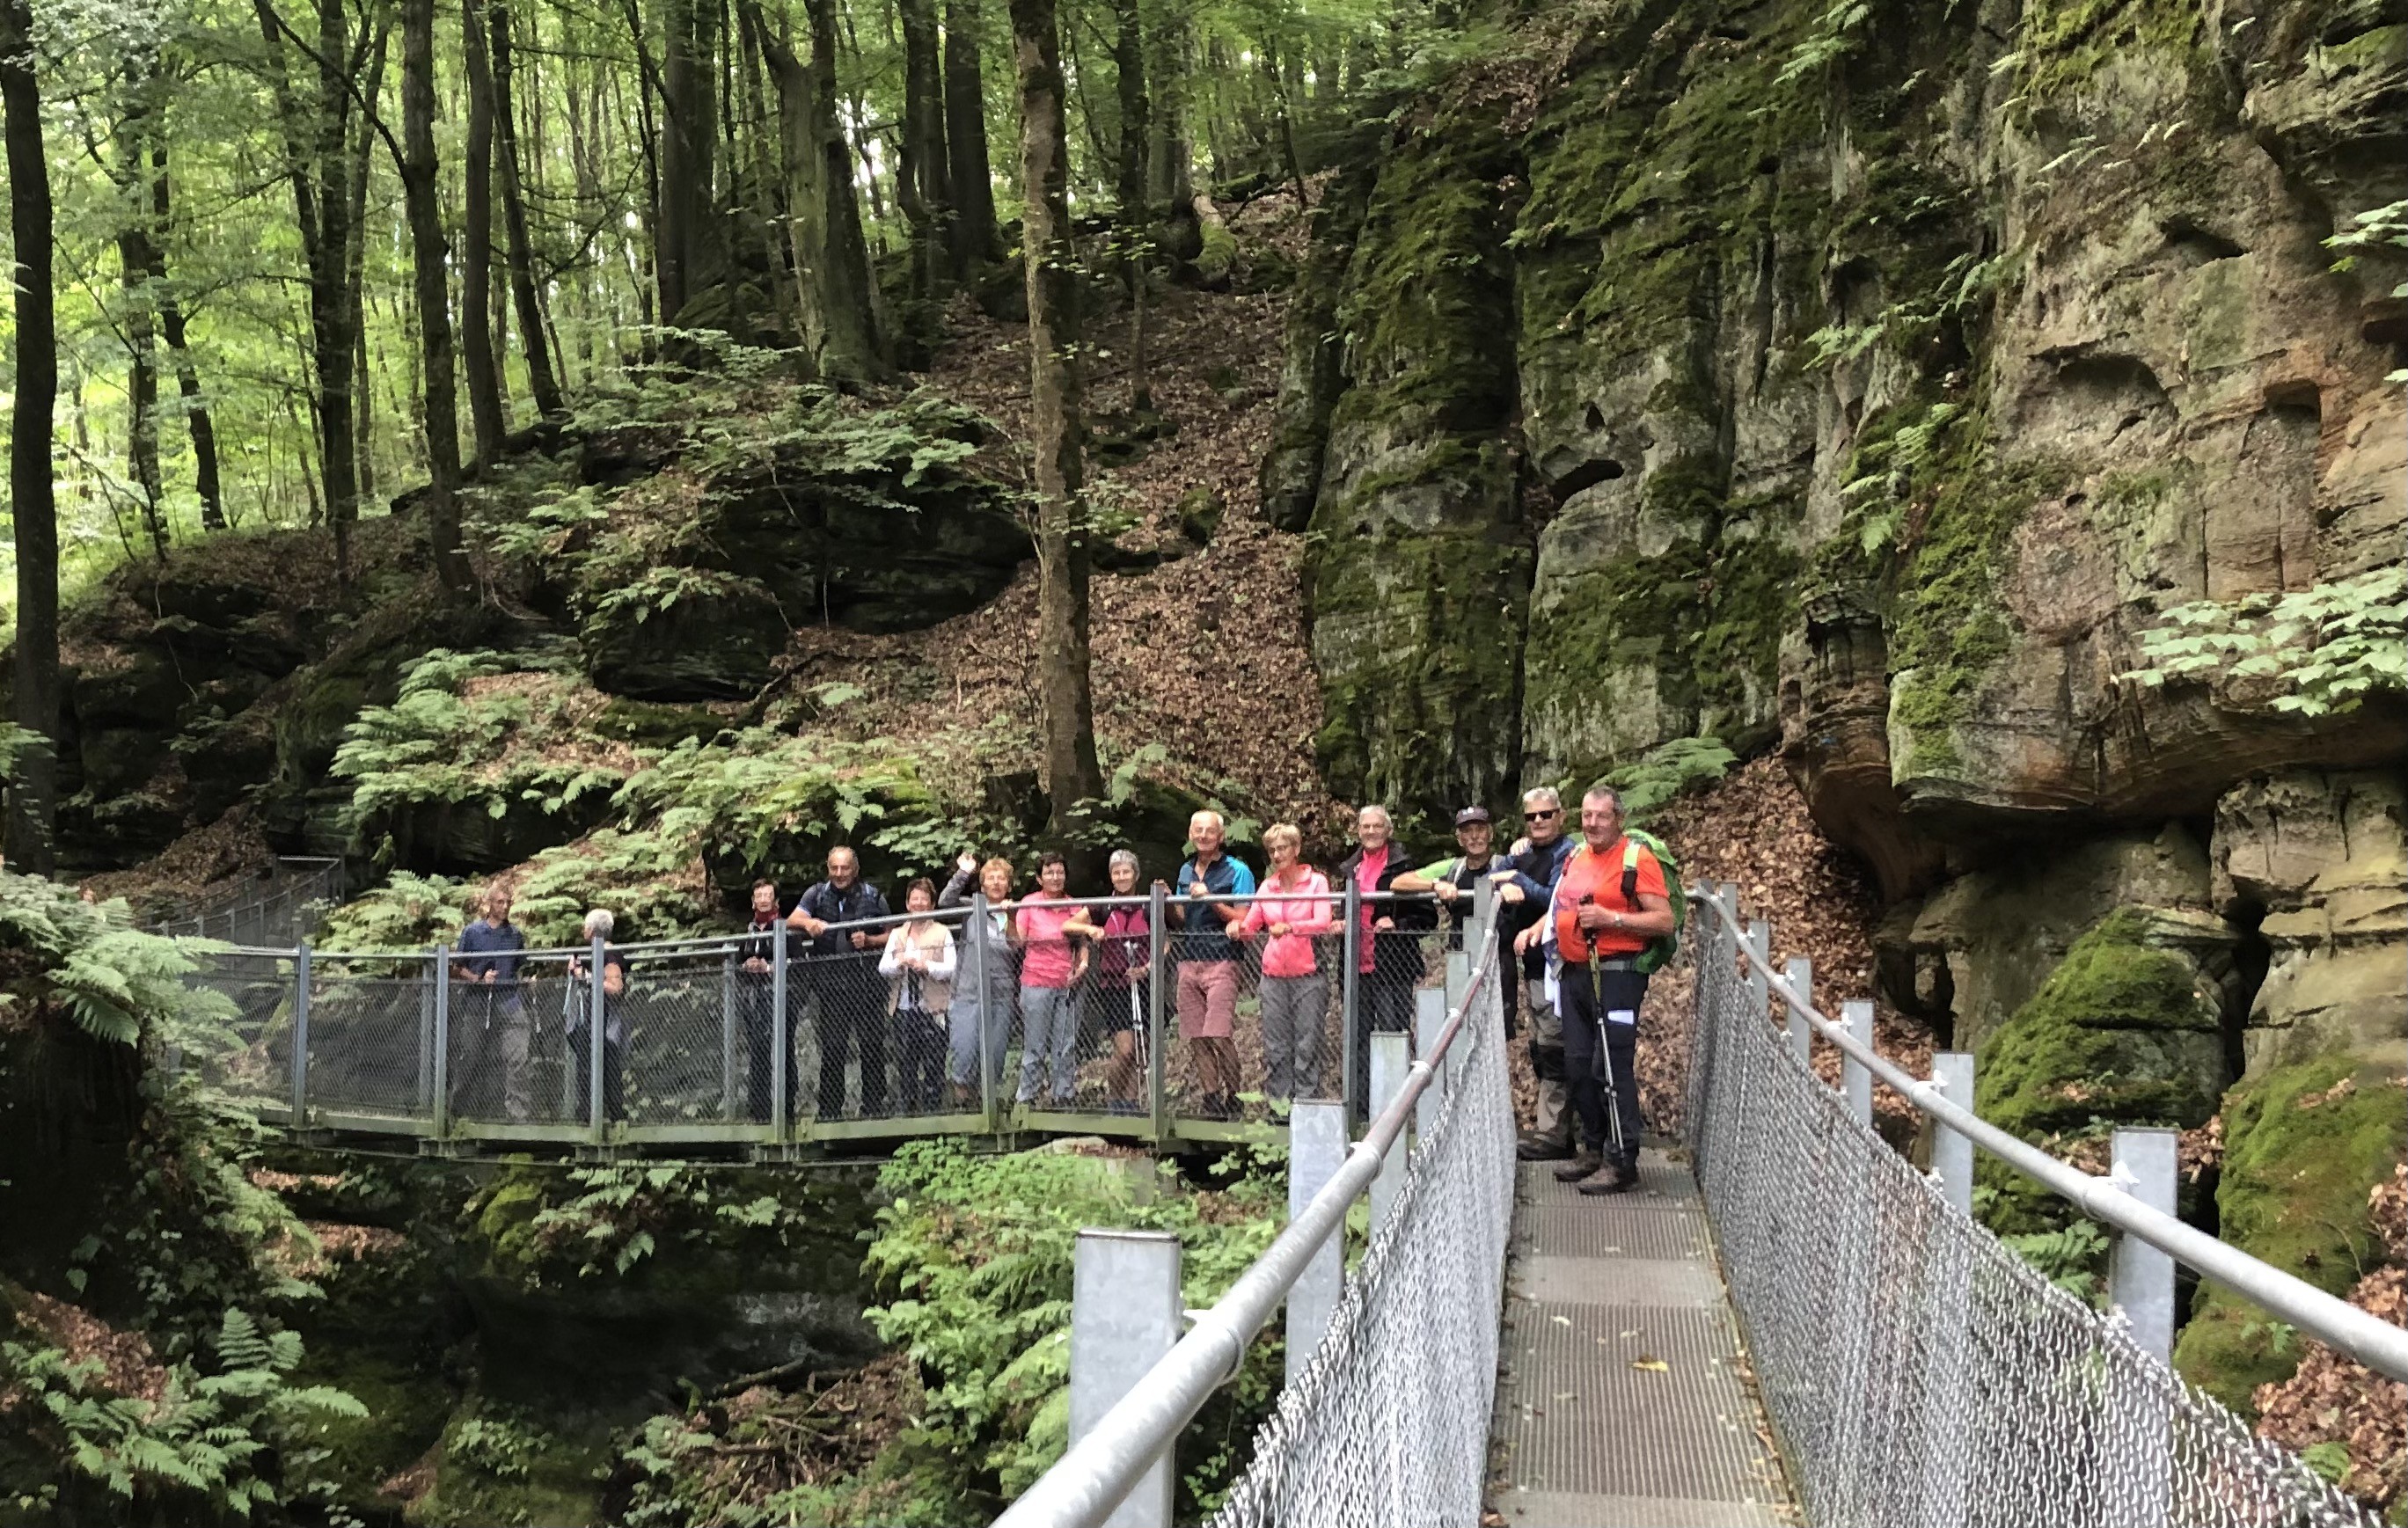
(842, 973)
(1210, 961)
(1524, 885)
(491, 1014)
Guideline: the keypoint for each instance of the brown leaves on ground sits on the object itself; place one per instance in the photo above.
(1753, 828)
(1206, 654)
(2332, 1399)
(127, 1365)
(765, 1440)
(201, 862)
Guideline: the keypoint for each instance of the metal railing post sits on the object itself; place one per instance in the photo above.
(1349, 998)
(596, 1051)
(423, 1086)
(1759, 992)
(1316, 1135)
(727, 1035)
(1952, 1154)
(442, 1068)
(1126, 1314)
(780, 1041)
(301, 1035)
(1157, 1004)
(1855, 1082)
(1391, 1058)
(1801, 1034)
(1430, 1018)
(1458, 977)
(2141, 1279)
(987, 1060)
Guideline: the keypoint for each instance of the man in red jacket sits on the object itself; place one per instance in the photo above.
(1609, 901)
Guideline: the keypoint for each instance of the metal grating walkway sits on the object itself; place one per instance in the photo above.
(1588, 1429)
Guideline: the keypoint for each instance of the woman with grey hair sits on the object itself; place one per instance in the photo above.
(599, 924)
(1120, 994)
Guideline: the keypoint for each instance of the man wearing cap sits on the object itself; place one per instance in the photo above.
(1453, 879)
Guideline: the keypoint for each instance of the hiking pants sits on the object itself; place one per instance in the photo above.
(1588, 997)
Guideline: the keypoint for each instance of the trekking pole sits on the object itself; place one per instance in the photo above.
(1604, 1044)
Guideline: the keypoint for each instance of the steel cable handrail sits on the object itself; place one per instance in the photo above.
(2330, 1320)
(1102, 1467)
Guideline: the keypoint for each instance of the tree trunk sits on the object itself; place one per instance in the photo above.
(1128, 62)
(33, 773)
(429, 254)
(477, 243)
(1166, 166)
(689, 123)
(188, 375)
(806, 203)
(142, 384)
(1073, 776)
(853, 348)
(542, 382)
(925, 185)
(966, 158)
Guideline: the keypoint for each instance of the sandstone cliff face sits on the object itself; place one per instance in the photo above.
(1867, 389)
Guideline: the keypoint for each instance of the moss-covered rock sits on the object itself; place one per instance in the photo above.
(2302, 1145)
(2126, 1031)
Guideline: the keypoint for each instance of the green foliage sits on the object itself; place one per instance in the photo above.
(503, 1443)
(2330, 646)
(978, 1252)
(1669, 770)
(739, 796)
(2072, 1257)
(1833, 39)
(408, 911)
(439, 744)
(210, 1438)
(543, 1230)
(110, 978)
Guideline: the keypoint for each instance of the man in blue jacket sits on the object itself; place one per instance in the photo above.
(1523, 884)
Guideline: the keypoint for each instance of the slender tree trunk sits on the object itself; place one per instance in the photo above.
(33, 773)
(1073, 776)
(355, 182)
(1168, 183)
(429, 254)
(1136, 223)
(805, 202)
(925, 185)
(477, 337)
(689, 120)
(142, 385)
(965, 156)
(854, 349)
(541, 383)
(188, 375)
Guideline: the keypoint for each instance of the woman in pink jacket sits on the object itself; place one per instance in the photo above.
(1293, 908)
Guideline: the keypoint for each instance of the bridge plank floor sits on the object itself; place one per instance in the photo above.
(1586, 1428)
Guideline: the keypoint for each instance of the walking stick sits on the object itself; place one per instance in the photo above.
(1604, 1046)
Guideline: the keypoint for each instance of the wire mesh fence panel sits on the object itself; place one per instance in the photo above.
(1918, 1370)
(509, 1061)
(680, 1028)
(251, 1063)
(844, 1036)
(1388, 1423)
(280, 909)
(372, 1036)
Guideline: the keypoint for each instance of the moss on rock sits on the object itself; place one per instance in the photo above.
(2124, 1031)
(2303, 1145)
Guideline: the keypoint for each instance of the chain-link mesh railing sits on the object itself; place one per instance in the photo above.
(372, 1036)
(1917, 1371)
(281, 908)
(254, 1070)
(1388, 1422)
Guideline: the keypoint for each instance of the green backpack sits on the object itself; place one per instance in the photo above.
(1662, 948)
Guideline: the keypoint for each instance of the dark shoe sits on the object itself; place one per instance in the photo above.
(1615, 1178)
(1531, 1148)
(1579, 1168)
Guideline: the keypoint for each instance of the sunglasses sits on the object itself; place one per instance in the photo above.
(1542, 817)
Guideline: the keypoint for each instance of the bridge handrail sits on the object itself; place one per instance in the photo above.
(723, 942)
(2330, 1320)
(1102, 1467)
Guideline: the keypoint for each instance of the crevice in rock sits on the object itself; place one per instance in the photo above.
(1586, 475)
(2192, 245)
(2251, 959)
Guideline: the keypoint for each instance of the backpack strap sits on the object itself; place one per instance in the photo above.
(1630, 872)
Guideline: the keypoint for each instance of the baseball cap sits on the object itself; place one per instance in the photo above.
(1471, 814)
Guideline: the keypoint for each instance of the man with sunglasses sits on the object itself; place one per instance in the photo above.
(1524, 882)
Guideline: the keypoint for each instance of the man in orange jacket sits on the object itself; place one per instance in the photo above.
(1609, 901)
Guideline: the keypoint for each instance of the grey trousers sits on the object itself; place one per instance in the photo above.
(1553, 1111)
(1292, 1007)
(1048, 1033)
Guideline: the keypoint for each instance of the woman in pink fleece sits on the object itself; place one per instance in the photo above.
(1293, 908)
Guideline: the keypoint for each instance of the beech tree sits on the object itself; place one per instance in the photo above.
(33, 795)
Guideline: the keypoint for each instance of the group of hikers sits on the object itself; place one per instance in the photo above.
(932, 994)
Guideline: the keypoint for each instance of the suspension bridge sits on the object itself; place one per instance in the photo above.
(1788, 1321)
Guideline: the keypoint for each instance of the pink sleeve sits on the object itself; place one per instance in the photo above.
(1254, 919)
(1323, 919)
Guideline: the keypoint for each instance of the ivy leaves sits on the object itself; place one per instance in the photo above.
(2327, 647)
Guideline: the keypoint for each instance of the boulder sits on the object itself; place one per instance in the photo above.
(2319, 859)
(720, 645)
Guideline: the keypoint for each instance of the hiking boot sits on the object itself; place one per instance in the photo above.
(1579, 1168)
(1536, 1147)
(1612, 1179)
